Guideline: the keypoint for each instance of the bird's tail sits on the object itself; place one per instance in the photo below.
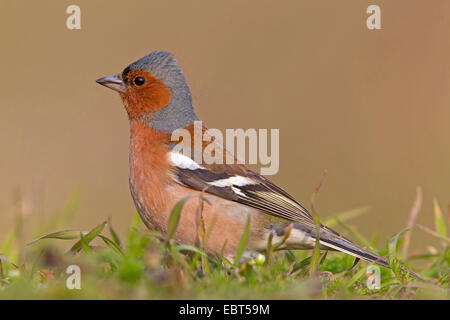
(339, 243)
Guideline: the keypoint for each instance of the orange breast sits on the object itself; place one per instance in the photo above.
(148, 171)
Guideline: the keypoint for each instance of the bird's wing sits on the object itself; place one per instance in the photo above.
(238, 183)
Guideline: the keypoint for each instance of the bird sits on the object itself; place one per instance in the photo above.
(158, 101)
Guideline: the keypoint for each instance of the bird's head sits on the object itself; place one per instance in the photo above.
(153, 89)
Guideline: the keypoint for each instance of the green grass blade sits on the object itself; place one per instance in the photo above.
(136, 222)
(110, 243)
(314, 265)
(301, 264)
(62, 235)
(411, 221)
(3, 258)
(174, 218)
(186, 247)
(88, 238)
(84, 245)
(269, 248)
(434, 233)
(355, 278)
(315, 258)
(114, 235)
(323, 257)
(395, 241)
(242, 243)
(439, 219)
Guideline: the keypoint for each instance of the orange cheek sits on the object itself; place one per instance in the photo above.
(151, 97)
(157, 96)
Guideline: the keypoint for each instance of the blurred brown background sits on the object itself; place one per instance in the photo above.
(370, 107)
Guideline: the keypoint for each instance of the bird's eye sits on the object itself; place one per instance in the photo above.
(139, 81)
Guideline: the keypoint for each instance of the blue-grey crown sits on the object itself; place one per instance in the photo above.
(179, 112)
(163, 66)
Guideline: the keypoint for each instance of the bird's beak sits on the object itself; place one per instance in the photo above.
(113, 82)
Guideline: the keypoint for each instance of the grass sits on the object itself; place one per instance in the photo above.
(148, 265)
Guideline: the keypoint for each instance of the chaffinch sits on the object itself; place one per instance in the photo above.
(158, 101)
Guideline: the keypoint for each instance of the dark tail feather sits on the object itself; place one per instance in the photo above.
(341, 244)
